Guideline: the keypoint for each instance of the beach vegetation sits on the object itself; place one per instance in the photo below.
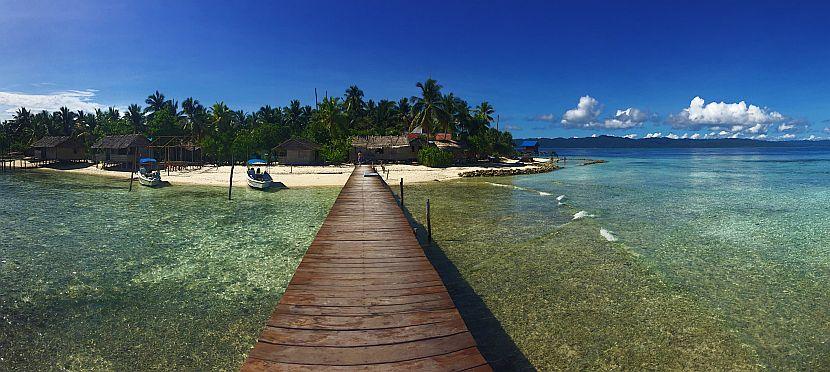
(226, 134)
(434, 157)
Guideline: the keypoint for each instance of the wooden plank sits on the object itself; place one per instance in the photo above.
(359, 355)
(462, 360)
(370, 337)
(365, 297)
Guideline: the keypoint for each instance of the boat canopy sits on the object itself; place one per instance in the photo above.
(257, 162)
(147, 160)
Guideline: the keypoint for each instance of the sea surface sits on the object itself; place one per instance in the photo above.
(712, 259)
(93, 277)
(706, 259)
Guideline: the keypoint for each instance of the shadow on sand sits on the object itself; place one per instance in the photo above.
(66, 165)
(495, 345)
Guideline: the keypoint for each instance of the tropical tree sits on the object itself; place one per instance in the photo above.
(453, 107)
(194, 118)
(353, 101)
(155, 102)
(428, 107)
(66, 118)
(22, 121)
(135, 116)
(484, 112)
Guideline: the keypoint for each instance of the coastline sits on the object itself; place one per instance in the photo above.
(313, 176)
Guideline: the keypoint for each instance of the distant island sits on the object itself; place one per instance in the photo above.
(663, 142)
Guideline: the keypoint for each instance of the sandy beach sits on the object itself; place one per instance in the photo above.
(296, 176)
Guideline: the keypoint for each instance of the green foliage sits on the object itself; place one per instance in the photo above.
(223, 132)
(163, 123)
(431, 156)
(336, 151)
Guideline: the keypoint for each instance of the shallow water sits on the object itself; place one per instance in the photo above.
(702, 259)
(97, 278)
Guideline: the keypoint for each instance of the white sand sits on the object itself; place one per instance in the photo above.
(298, 176)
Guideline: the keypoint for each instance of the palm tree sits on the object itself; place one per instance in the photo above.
(41, 124)
(194, 114)
(484, 112)
(293, 117)
(404, 114)
(221, 117)
(113, 114)
(22, 121)
(454, 107)
(428, 108)
(268, 115)
(66, 118)
(330, 118)
(155, 102)
(354, 101)
(240, 119)
(136, 118)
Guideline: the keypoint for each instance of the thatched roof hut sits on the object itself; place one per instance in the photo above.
(379, 142)
(297, 151)
(123, 141)
(60, 148)
(386, 148)
(121, 149)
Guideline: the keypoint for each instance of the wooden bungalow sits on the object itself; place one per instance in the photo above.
(386, 148)
(122, 150)
(296, 151)
(59, 149)
(176, 152)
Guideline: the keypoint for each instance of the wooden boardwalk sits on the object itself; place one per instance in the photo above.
(365, 297)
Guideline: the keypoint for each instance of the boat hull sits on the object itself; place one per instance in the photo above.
(259, 185)
(147, 181)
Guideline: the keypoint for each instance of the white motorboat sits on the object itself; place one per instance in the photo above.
(148, 173)
(258, 179)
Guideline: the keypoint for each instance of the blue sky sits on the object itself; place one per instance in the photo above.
(550, 69)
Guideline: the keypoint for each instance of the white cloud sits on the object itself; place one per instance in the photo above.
(672, 136)
(787, 136)
(73, 99)
(827, 129)
(695, 136)
(732, 118)
(625, 119)
(547, 117)
(585, 114)
(631, 136)
(813, 137)
(654, 135)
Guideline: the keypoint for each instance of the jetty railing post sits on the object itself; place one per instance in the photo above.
(401, 192)
(230, 182)
(132, 171)
(429, 223)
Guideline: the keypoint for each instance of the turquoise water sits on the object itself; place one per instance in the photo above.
(688, 259)
(177, 278)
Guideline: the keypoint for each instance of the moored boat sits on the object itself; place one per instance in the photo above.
(258, 179)
(148, 173)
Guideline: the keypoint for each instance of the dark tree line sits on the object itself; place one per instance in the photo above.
(223, 132)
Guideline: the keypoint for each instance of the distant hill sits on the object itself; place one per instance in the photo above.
(663, 142)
